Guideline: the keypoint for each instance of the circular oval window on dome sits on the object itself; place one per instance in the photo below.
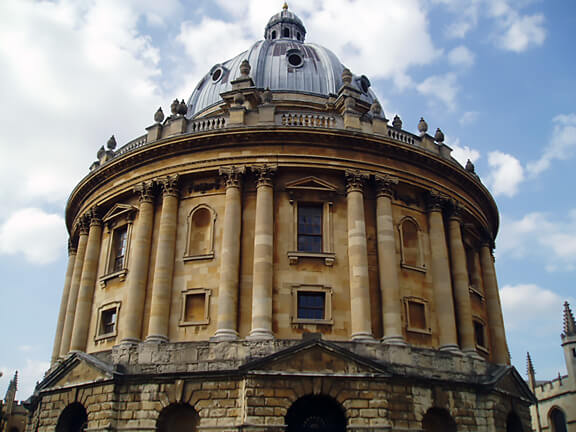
(217, 73)
(295, 58)
(364, 83)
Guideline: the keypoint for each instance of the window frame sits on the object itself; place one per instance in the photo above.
(195, 291)
(486, 347)
(421, 264)
(408, 326)
(298, 289)
(188, 255)
(101, 310)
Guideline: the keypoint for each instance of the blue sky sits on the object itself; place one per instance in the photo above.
(497, 76)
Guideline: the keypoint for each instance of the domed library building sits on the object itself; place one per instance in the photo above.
(276, 255)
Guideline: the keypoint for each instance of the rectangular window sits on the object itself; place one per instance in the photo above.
(479, 334)
(417, 314)
(119, 242)
(311, 305)
(310, 227)
(194, 309)
(108, 322)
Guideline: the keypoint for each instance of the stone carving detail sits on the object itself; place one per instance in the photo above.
(232, 175)
(356, 180)
(238, 99)
(82, 225)
(456, 209)
(145, 191)
(174, 107)
(111, 144)
(346, 76)
(397, 122)
(267, 96)
(72, 245)
(264, 174)
(376, 109)
(439, 136)
(245, 68)
(385, 185)
(93, 216)
(159, 115)
(169, 185)
(182, 108)
(422, 126)
(436, 201)
(470, 167)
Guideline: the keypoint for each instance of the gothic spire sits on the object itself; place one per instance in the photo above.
(530, 372)
(569, 323)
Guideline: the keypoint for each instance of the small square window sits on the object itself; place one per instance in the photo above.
(107, 321)
(310, 227)
(416, 315)
(311, 305)
(195, 307)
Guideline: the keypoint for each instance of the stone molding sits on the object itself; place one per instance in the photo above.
(385, 185)
(264, 174)
(232, 175)
(169, 185)
(145, 191)
(356, 181)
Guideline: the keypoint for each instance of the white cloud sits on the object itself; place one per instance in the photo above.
(461, 56)
(506, 174)
(464, 153)
(442, 88)
(561, 146)
(469, 117)
(522, 32)
(28, 376)
(39, 236)
(523, 304)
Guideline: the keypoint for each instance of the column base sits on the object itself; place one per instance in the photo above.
(451, 348)
(260, 334)
(472, 354)
(130, 341)
(363, 337)
(157, 339)
(393, 340)
(224, 335)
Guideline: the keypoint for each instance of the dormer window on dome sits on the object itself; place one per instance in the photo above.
(285, 25)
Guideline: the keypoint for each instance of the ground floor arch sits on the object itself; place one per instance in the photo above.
(513, 423)
(557, 420)
(178, 418)
(316, 413)
(73, 418)
(438, 420)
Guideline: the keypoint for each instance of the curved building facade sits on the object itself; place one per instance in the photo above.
(277, 255)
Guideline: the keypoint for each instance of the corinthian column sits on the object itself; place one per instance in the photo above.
(387, 263)
(82, 229)
(87, 284)
(461, 280)
(263, 275)
(131, 324)
(163, 272)
(230, 256)
(358, 258)
(64, 301)
(493, 308)
(441, 275)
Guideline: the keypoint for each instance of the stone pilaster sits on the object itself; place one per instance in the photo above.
(131, 324)
(163, 272)
(460, 281)
(230, 256)
(388, 263)
(440, 266)
(82, 229)
(493, 307)
(263, 276)
(64, 301)
(87, 284)
(361, 324)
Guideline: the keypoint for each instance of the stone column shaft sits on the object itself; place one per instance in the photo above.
(493, 308)
(131, 324)
(461, 287)
(361, 324)
(63, 304)
(388, 265)
(440, 266)
(263, 275)
(74, 287)
(87, 284)
(476, 277)
(230, 257)
(163, 272)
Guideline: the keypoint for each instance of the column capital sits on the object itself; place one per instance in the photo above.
(93, 216)
(146, 191)
(232, 175)
(72, 246)
(487, 240)
(436, 201)
(356, 180)
(169, 185)
(456, 210)
(264, 174)
(385, 185)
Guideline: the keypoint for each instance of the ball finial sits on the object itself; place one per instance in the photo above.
(285, 7)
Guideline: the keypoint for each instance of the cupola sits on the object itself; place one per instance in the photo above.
(285, 25)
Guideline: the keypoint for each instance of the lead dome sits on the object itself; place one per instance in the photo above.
(283, 63)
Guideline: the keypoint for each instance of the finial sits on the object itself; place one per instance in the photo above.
(111, 144)
(376, 108)
(470, 167)
(245, 68)
(422, 126)
(439, 136)
(174, 107)
(569, 324)
(397, 122)
(159, 116)
(346, 76)
(182, 108)
(285, 7)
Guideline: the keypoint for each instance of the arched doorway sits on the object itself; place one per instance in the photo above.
(438, 420)
(72, 419)
(315, 413)
(557, 420)
(513, 423)
(177, 418)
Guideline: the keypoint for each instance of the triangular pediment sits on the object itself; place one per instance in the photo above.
(317, 357)
(77, 369)
(118, 211)
(311, 183)
(509, 381)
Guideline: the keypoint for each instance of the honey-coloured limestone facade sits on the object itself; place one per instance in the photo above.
(276, 255)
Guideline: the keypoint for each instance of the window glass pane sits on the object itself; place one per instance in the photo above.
(309, 243)
(120, 237)
(410, 243)
(310, 227)
(108, 321)
(311, 305)
(479, 333)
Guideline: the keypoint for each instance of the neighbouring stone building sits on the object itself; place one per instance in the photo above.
(555, 408)
(13, 414)
(276, 255)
